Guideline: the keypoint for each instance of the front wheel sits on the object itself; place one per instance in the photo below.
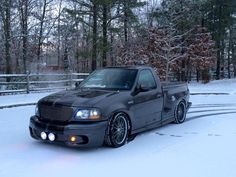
(117, 131)
(180, 113)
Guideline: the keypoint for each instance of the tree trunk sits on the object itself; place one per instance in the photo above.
(77, 58)
(218, 61)
(24, 6)
(197, 75)
(104, 29)
(7, 35)
(66, 60)
(229, 52)
(17, 58)
(167, 71)
(111, 50)
(59, 36)
(222, 57)
(218, 43)
(234, 58)
(94, 50)
(40, 37)
(126, 21)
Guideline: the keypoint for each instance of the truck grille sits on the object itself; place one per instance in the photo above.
(55, 113)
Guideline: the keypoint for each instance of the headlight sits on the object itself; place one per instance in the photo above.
(37, 111)
(88, 114)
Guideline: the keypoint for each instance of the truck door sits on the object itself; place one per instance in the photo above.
(147, 106)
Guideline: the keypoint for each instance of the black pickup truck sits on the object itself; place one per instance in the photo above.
(110, 106)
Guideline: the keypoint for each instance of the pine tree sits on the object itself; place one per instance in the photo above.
(128, 15)
(217, 15)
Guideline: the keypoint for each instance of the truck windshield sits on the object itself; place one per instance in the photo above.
(111, 79)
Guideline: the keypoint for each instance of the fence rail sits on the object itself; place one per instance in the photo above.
(15, 83)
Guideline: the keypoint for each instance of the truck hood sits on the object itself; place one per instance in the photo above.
(77, 98)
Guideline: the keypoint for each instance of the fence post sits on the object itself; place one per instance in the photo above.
(28, 82)
(71, 79)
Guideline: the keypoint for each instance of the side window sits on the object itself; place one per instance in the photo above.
(146, 78)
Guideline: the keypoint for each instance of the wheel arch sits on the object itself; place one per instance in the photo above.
(114, 113)
(107, 140)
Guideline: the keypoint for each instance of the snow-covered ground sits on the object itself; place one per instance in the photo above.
(203, 146)
(21, 98)
(219, 86)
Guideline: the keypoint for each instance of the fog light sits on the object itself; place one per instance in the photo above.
(51, 137)
(43, 135)
(73, 139)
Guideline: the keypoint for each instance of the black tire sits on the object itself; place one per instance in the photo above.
(118, 131)
(180, 113)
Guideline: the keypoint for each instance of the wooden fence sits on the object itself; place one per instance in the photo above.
(15, 83)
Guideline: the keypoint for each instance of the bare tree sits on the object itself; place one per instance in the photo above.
(59, 32)
(40, 36)
(23, 6)
(44, 22)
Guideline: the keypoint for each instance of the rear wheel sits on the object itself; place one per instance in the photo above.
(117, 131)
(180, 113)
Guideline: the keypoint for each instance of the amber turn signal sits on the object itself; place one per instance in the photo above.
(94, 117)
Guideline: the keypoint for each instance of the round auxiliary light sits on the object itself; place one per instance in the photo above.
(51, 137)
(73, 139)
(43, 135)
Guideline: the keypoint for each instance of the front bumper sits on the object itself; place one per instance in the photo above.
(88, 135)
(189, 104)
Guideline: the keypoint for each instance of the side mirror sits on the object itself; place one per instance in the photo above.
(143, 88)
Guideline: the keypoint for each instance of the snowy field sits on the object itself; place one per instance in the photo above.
(9, 100)
(219, 86)
(203, 146)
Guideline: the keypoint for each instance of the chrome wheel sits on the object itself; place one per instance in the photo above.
(118, 130)
(180, 113)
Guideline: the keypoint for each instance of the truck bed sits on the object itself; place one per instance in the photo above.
(172, 91)
(166, 85)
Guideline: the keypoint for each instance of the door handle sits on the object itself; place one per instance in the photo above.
(131, 102)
